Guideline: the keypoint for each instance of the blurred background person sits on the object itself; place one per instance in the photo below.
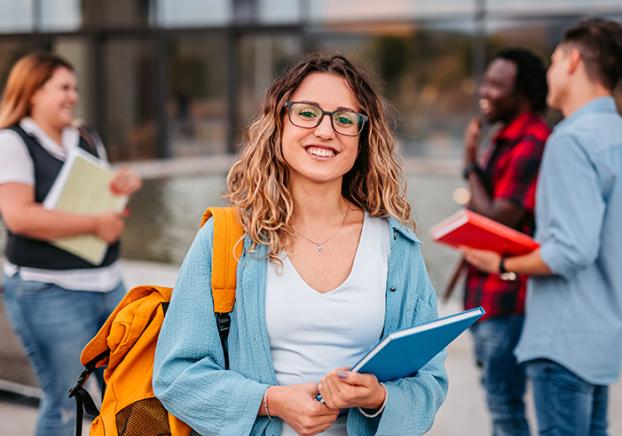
(55, 300)
(572, 338)
(502, 187)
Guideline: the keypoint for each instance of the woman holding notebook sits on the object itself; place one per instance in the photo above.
(330, 265)
(56, 301)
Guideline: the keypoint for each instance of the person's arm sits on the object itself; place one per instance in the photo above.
(569, 220)
(189, 377)
(489, 261)
(23, 216)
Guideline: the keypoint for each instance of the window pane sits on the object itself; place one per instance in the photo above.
(16, 16)
(129, 107)
(191, 13)
(350, 10)
(197, 94)
(280, 11)
(60, 15)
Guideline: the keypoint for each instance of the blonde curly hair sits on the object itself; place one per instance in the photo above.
(258, 183)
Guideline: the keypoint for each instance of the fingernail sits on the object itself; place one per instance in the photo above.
(342, 374)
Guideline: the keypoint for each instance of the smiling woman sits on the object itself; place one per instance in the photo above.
(330, 265)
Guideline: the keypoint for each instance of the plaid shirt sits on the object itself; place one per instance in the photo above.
(511, 170)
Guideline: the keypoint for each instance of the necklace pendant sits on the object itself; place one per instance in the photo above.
(319, 248)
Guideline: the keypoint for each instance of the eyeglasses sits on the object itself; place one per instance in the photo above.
(310, 115)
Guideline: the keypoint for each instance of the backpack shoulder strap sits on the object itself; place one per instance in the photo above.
(227, 249)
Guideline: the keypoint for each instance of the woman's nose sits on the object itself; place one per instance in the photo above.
(325, 128)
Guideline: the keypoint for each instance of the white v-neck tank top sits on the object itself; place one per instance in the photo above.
(312, 333)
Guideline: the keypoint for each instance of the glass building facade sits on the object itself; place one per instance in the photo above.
(174, 78)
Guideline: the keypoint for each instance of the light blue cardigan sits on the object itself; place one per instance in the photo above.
(188, 374)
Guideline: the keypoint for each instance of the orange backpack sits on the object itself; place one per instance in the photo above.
(125, 345)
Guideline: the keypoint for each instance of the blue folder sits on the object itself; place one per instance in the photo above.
(404, 352)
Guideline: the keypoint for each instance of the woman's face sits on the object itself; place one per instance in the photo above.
(320, 154)
(54, 102)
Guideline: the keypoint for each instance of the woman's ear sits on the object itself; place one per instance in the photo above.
(34, 99)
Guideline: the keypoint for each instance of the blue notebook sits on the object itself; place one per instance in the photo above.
(404, 352)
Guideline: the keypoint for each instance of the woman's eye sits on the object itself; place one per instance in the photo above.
(344, 120)
(307, 114)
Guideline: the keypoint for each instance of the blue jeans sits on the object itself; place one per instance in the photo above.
(502, 377)
(566, 405)
(54, 324)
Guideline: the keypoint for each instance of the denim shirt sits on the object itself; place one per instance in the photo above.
(574, 317)
(189, 376)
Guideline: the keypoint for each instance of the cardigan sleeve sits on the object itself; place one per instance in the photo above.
(412, 402)
(189, 376)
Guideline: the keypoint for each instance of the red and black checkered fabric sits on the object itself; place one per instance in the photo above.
(511, 167)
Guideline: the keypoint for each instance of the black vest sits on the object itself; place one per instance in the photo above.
(35, 253)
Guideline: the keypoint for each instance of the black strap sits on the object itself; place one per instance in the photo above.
(223, 321)
(84, 401)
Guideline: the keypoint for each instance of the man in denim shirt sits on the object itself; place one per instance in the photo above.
(572, 337)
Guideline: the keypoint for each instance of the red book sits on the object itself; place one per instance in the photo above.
(476, 231)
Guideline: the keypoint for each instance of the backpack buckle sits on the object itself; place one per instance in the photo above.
(84, 376)
(223, 320)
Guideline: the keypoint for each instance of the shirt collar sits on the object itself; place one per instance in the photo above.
(400, 228)
(600, 104)
(69, 138)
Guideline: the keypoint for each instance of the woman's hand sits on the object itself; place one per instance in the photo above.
(109, 226)
(297, 406)
(483, 260)
(343, 389)
(125, 182)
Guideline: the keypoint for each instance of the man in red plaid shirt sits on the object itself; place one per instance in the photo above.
(502, 185)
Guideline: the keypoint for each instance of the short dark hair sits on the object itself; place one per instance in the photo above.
(530, 78)
(600, 44)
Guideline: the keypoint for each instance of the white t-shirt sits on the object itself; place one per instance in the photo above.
(312, 333)
(16, 166)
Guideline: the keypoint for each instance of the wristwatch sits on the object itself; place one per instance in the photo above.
(471, 168)
(504, 273)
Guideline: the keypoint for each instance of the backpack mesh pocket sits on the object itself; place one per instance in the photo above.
(143, 418)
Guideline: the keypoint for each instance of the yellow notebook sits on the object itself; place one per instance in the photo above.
(82, 187)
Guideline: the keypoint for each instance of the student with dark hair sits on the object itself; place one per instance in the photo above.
(502, 185)
(572, 337)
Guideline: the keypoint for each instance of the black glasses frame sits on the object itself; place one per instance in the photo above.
(362, 118)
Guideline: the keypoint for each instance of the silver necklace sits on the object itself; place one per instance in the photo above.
(319, 246)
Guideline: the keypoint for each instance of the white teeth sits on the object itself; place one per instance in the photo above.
(320, 151)
(484, 104)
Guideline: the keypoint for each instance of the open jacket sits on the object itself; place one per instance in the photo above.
(189, 376)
